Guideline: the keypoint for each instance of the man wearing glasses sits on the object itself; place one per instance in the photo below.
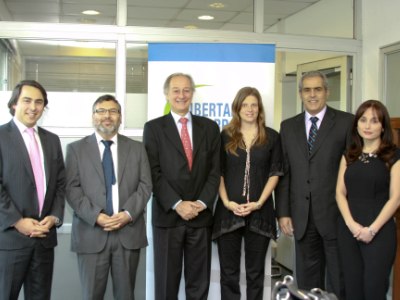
(108, 186)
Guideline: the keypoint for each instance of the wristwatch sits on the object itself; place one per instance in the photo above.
(57, 221)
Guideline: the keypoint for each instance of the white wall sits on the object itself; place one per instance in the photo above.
(381, 23)
(333, 18)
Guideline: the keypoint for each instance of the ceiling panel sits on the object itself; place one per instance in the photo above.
(191, 15)
(235, 15)
(229, 5)
(32, 7)
(150, 13)
(242, 18)
(158, 3)
(76, 9)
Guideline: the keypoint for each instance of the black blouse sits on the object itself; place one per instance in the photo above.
(265, 161)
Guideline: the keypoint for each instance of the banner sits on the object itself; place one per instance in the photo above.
(219, 71)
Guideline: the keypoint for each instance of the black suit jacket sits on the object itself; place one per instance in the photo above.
(311, 179)
(18, 197)
(172, 179)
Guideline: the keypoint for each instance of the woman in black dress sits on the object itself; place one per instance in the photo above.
(251, 164)
(368, 195)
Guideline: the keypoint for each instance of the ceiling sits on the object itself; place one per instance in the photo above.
(236, 15)
(64, 65)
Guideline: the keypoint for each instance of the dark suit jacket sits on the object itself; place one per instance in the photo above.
(311, 179)
(18, 197)
(172, 179)
(86, 193)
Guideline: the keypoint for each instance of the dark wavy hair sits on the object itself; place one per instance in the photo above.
(233, 128)
(17, 92)
(387, 147)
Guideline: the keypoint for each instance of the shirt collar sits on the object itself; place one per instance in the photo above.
(319, 115)
(177, 117)
(21, 126)
(99, 138)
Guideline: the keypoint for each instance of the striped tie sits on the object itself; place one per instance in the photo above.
(312, 134)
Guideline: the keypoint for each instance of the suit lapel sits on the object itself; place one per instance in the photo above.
(300, 133)
(123, 153)
(19, 144)
(172, 134)
(197, 136)
(93, 154)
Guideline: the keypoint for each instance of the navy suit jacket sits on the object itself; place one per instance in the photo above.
(172, 179)
(18, 197)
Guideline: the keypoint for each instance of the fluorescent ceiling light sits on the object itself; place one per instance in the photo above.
(190, 27)
(205, 18)
(217, 5)
(91, 12)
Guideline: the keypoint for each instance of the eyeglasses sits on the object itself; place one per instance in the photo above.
(103, 111)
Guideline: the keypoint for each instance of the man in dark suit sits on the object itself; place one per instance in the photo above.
(32, 191)
(108, 227)
(306, 204)
(186, 178)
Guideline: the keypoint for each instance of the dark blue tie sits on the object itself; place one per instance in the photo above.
(312, 134)
(109, 175)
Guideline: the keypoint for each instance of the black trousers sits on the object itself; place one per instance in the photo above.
(30, 267)
(367, 267)
(174, 246)
(317, 261)
(229, 251)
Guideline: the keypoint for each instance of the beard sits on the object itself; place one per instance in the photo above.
(110, 130)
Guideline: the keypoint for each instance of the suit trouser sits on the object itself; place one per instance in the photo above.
(94, 269)
(174, 245)
(31, 267)
(317, 261)
(367, 267)
(229, 252)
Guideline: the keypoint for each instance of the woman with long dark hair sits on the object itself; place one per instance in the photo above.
(251, 164)
(368, 195)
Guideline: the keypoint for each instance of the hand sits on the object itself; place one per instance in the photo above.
(115, 222)
(188, 210)
(199, 206)
(48, 221)
(355, 229)
(235, 208)
(248, 208)
(364, 235)
(31, 227)
(286, 225)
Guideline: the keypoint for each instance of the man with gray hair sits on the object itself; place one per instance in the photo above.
(312, 144)
(183, 151)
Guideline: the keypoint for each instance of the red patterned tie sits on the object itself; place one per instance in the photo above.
(36, 161)
(187, 146)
